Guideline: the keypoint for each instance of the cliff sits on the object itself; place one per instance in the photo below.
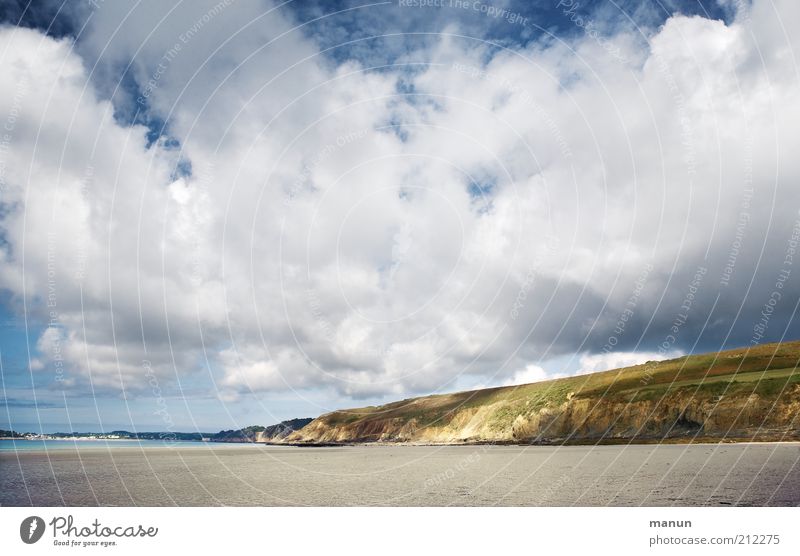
(257, 433)
(744, 394)
(276, 433)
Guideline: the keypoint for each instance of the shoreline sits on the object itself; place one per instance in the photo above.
(107, 440)
(231, 447)
(700, 441)
(608, 442)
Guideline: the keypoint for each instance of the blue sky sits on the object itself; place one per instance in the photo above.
(249, 212)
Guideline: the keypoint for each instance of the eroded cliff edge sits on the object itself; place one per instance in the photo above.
(739, 395)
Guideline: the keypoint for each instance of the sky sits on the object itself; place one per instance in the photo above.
(223, 213)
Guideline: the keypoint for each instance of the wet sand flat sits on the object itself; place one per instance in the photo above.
(651, 475)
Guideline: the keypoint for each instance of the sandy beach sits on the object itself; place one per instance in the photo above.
(652, 475)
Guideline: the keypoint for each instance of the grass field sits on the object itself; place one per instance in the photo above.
(766, 370)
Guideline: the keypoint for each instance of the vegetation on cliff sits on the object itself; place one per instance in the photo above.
(257, 433)
(744, 394)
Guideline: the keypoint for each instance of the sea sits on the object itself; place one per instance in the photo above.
(157, 473)
(24, 445)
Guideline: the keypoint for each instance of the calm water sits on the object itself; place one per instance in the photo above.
(198, 474)
(50, 445)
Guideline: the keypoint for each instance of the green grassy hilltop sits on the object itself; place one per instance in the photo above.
(743, 394)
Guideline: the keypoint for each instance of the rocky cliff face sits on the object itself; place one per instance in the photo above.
(738, 395)
(257, 433)
(276, 433)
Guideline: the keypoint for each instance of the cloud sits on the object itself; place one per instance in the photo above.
(306, 223)
(531, 373)
(13, 403)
